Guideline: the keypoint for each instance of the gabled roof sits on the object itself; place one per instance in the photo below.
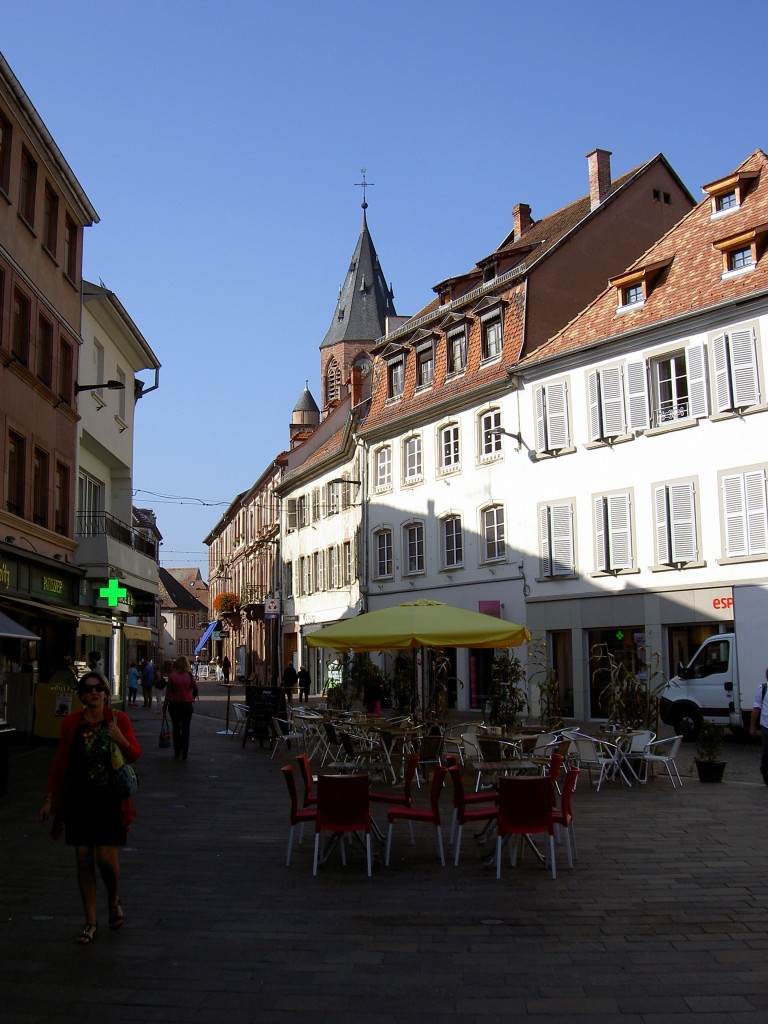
(365, 301)
(175, 594)
(691, 271)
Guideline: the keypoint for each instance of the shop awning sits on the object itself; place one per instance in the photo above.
(95, 627)
(137, 633)
(10, 628)
(206, 635)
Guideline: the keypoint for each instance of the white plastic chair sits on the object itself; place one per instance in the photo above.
(596, 755)
(664, 752)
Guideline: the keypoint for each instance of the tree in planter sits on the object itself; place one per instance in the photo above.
(508, 700)
(542, 674)
(441, 677)
(631, 702)
(709, 749)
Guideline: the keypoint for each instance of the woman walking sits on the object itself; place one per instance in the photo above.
(95, 818)
(180, 694)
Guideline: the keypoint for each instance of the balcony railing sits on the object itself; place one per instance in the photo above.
(102, 524)
(251, 595)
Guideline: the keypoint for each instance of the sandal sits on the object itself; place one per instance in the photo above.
(86, 936)
(116, 917)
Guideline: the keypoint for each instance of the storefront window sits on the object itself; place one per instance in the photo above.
(624, 643)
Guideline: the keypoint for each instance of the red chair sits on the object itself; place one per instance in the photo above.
(525, 809)
(427, 815)
(310, 797)
(342, 807)
(563, 817)
(298, 814)
(404, 799)
(484, 796)
(552, 771)
(462, 814)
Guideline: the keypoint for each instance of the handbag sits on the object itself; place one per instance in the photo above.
(125, 781)
(165, 733)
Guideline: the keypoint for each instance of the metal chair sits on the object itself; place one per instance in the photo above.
(664, 752)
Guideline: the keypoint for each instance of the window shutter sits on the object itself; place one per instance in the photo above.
(593, 394)
(601, 534)
(292, 514)
(696, 369)
(546, 562)
(562, 540)
(620, 536)
(734, 514)
(662, 524)
(541, 429)
(612, 395)
(637, 395)
(682, 515)
(722, 375)
(557, 416)
(757, 524)
(744, 369)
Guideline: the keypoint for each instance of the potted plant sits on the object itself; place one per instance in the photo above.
(226, 602)
(709, 746)
(508, 699)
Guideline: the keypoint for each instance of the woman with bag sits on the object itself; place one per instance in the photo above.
(180, 694)
(84, 800)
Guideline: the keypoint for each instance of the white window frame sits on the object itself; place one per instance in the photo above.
(674, 506)
(383, 543)
(332, 499)
(347, 563)
(333, 567)
(736, 378)
(383, 458)
(490, 443)
(493, 533)
(557, 548)
(319, 570)
(414, 559)
(552, 421)
(449, 443)
(452, 541)
(745, 513)
(613, 532)
(413, 462)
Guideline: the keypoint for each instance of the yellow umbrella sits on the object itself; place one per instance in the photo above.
(420, 623)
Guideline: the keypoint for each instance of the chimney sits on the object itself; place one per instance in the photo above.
(522, 217)
(599, 176)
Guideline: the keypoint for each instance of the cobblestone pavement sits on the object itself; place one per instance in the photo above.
(663, 916)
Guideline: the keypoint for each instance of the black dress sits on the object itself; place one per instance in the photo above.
(93, 814)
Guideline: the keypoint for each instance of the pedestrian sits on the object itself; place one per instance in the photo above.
(147, 679)
(180, 694)
(94, 661)
(133, 683)
(305, 684)
(225, 667)
(372, 697)
(759, 725)
(290, 680)
(94, 817)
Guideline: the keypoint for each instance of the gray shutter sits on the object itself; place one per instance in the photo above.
(734, 512)
(593, 394)
(746, 391)
(620, 531)
(541, 426)
(292, 516)
(612, 395)
(557, 416)
(696, 370)
(637, 395)
(723, 400)
(757, 520)
(661, 519)
(545, 568)
(563, 562)
(601, 534)
(682, 515)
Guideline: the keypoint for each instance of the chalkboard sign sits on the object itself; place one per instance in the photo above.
(261, 703)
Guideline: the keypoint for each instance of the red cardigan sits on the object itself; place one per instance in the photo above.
(58, 773)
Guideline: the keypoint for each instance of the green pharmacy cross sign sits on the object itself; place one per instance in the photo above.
(113, 593)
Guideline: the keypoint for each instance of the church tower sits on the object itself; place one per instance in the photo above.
(365, 302)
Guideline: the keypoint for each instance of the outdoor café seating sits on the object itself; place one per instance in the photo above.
(423, 815)
(342, 809)
(524, 810)
(298, 815)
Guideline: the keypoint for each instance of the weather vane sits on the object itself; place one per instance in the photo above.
(363, 185)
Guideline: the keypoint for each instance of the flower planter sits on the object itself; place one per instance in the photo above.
(710, 771)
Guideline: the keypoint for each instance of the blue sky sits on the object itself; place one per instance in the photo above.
(221, 147)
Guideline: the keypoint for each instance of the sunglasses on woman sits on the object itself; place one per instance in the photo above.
(96, 688)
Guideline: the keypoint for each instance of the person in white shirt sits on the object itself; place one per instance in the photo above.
(760, 718)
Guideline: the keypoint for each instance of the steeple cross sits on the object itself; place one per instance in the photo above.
(363, 185)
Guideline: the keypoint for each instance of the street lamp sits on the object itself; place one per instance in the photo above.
(343, 480)
(500, 431)
(110, 385)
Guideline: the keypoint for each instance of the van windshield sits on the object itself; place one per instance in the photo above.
(712, 658)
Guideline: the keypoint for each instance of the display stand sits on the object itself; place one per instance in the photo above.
(226, 731)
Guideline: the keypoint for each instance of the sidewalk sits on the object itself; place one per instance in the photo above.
(665, 913)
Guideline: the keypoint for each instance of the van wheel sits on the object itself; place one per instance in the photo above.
(687, 722)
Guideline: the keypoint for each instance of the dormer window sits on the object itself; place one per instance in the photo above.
(634, 287)
(490, 310)
(425, 365)
(395, 378)
(741, 252)
(727, 194)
